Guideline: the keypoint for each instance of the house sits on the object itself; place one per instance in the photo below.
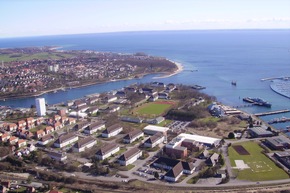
(39, 134)
(204, 155)
(163, 95)
(113, 108)
(4, 137)
(215, 110)
(82, 125)
(121, 94)
(133, 135)
(153, 97)
(158, 84)
(79, 103)
(152, 129)
(175, 173)
(21, 124)
(84, 144)
(57, 126)
(59, 156)
(132, 119)
(30, 121)
(112, 131)
(49, 130)
(64, 120)
(92, 110)
(71, 121)
(12, 127)
(56, 118)
(212, 160)
(154, 140)
(174, 168)
(93, 100)
(13, 140)
(21, 143)
(94, 127)
(130, 156)
(65, 140)
(170, 87)
(156, 121)
(107, 150)
(110, 98)
(82, 109)
(45, 139)
(39, 120)
(24, 134)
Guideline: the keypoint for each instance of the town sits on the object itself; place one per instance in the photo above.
(170, 135)
(34, 71)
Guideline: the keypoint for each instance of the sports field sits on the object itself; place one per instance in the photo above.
(260, 167)
(154, 109)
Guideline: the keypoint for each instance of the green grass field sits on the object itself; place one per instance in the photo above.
(261, 167)
(153, 109)
(25, 57)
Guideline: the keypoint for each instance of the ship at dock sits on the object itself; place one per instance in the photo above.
(257, 101)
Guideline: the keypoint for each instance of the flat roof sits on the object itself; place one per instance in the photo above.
(156, 128)
(260, 131)
(199, 138)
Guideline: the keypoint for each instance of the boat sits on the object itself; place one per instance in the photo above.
(257, 101)
(234, 83)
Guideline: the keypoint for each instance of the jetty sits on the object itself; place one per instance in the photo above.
(279, 120)
(272, 112)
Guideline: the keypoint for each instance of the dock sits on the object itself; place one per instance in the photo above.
(272, 112)
(279, 120)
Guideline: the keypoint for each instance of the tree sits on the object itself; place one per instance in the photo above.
(156, 175)
(269, 129)
(231, 135)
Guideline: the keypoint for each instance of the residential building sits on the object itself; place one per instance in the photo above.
(48, 130)
(94, 127)
(154, 140)
(21, 143)
(39, 134)
(40, 106)
(212, 160)
(13, 140)
(45, 139)
(59, 156)
(84, 144)
(12, 127)
(175, 173)
(130, 156)
(107, 150)
(133, 135)
(112, 131)
(66, 139)
(156, 121)
(4, 137)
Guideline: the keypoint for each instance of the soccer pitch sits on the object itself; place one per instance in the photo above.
(157, 108)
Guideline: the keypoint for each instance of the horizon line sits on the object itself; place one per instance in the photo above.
(142, 31)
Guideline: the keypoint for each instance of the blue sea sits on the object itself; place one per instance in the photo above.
(212, 58)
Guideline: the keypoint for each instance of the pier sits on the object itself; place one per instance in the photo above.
(279, 120)
(272, 112)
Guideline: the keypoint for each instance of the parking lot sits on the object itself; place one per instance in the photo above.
(177, 126)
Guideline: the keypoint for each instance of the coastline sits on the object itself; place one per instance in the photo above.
(177, 71)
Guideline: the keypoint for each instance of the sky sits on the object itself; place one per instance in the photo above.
(20, 18)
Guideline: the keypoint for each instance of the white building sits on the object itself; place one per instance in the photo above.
(112, 131)
(154, 140)
(40, 106)
(107, 151)
(65, 140)
(94, 127)
(130, 156)
(153, 129)
(84, 144)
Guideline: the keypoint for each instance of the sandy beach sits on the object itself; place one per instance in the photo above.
(179, 69)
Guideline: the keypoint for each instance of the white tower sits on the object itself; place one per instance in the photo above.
(40, 106)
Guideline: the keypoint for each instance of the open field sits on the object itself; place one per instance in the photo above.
(240, 150)
(25, 57)
(261, 168)
(154, 109)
